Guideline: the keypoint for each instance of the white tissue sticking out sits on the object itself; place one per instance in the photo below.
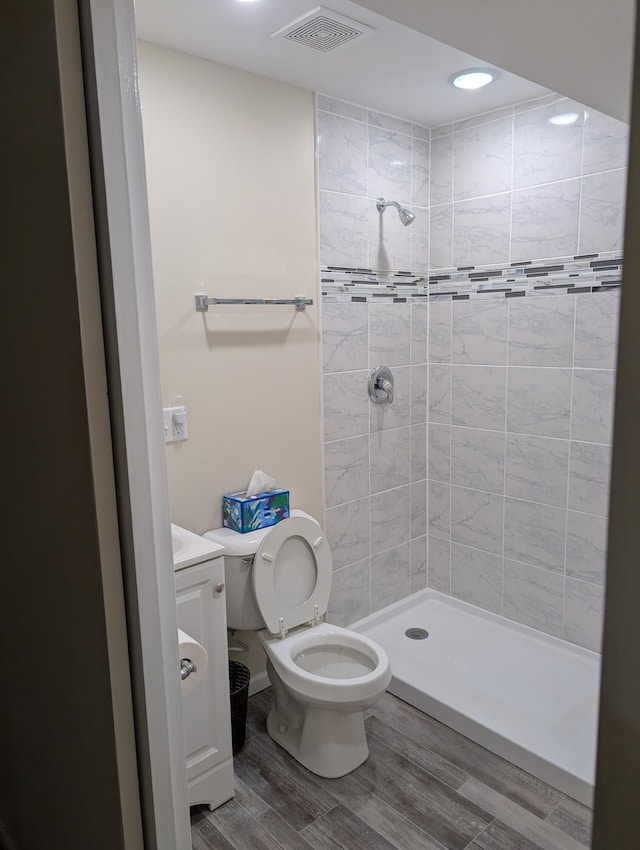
(260, 483)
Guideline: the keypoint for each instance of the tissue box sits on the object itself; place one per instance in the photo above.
(247, 513)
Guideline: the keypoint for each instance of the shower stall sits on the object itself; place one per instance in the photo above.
(474, 507)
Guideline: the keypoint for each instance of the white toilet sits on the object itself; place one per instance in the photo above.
(323, 676)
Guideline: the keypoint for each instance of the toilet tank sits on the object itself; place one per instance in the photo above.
(239, 552)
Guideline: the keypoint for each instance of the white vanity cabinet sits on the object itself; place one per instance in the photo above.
(201, 612)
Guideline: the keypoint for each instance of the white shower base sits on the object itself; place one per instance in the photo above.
(529, 697)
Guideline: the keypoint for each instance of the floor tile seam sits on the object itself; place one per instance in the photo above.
(422, 767)
(555, 808)
(375, 797)
(310, 778)
(475, 838)
(315, 820)
(526, 815)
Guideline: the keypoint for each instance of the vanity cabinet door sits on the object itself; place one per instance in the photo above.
(201, 613)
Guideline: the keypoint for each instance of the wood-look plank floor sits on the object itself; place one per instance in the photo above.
(423, 787)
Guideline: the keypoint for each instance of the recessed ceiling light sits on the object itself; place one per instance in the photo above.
(473, 78)
(564, 119)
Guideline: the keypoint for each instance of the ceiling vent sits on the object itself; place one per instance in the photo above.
(324, 30)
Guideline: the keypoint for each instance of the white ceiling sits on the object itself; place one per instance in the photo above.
(397, 70)
(582, 48)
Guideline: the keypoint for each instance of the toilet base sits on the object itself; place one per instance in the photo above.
(328, 743)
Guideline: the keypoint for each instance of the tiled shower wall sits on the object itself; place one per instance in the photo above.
(502, 187)
(493, 485)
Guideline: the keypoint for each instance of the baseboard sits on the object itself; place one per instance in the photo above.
(258, 683)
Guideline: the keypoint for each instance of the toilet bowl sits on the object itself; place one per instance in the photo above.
(324, 677)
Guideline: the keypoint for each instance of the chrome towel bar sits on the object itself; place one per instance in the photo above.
(203, 302)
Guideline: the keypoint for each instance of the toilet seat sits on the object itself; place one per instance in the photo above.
(291, 575)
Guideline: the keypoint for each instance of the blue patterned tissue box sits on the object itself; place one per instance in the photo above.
(247, 513)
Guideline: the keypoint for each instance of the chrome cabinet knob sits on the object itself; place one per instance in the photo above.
(220, 587)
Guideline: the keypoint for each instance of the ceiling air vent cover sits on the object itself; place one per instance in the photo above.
(324, 30)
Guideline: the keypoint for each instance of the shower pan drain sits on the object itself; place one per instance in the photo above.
(417, 634)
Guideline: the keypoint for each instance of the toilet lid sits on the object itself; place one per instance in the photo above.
(292, 574)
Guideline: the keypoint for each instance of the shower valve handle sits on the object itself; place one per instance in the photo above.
(381, 385)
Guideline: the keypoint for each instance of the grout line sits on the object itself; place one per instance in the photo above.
(566, 525)
(504, 459)
(581, 181)
(484, 829)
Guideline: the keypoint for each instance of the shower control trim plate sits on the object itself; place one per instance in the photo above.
(381, 385)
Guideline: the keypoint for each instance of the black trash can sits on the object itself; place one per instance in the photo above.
(239, 677)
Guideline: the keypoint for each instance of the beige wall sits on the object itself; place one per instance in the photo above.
(231, 174)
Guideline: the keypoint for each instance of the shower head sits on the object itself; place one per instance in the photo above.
(406, 216)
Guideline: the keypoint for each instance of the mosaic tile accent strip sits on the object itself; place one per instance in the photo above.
(563, 276)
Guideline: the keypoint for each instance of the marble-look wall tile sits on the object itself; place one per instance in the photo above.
(347, 529)
(592, 405)
(346, 405)
(586, 547)
(389, 165)
(440, 393)
(420, 132)
(481, 229)
(419, 331)
(418, 509)
(350, 594)
(533, 597)
(537, 469)
(439, 509)
(476, 577)
(396, 415)
(480, 332)
(545, 151)
(440, 564)
(482, 159)
(539, 401)
(602, 208)
(484, 118)
(440, 313)
(583, 613)
(389, 240)
(441, 176)
(589, 471)
(478, 396)
(596, 342)
(420, 172)
(390, 518)
(441, 237)
(389, 334)
(390, 457)
(389, 122)
(605, 144)
(419, 396)
(541, 331)
(477, 459)
(341, 107)
(537, 102)
(342, 154)
(534, 534)
(419, 564)
(345, 336)
(439, 452)
(476, 519)
(420, 244)
(344, 230)
(418, 452)
(544, 221)
(390, 576)
(346, 470)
